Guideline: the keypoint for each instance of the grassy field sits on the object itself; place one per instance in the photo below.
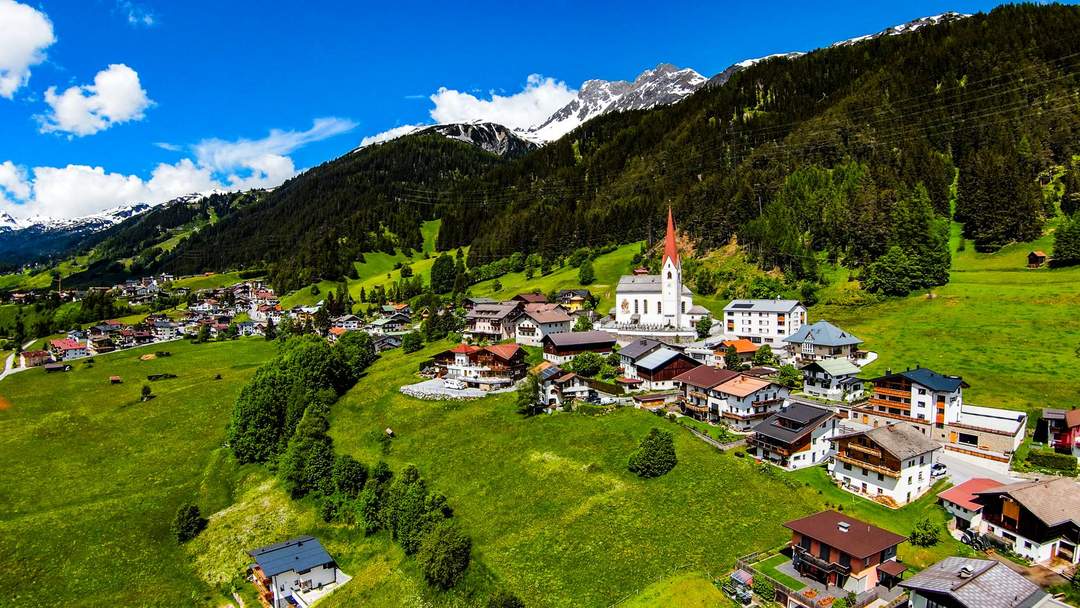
(92, 476)
(209, 281)
(1009, 331)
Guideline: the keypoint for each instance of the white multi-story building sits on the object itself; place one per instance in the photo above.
(764, 321)
(539, 320)
(296, 572)
(893, 462)
(741, 401)
(795, 437)
(832, 379)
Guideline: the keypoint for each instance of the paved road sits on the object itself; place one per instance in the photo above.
(963, 468)
(9, 363)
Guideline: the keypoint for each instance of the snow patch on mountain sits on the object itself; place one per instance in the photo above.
(904, 28)
(489, 136)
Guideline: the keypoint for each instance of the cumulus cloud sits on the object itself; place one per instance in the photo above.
(539, 99)
(115, 97)
(25, 33)
(242, 164)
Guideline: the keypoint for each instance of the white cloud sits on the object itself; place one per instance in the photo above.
(164, 145)
(115, 97)
(25, 33)
(137, 14)
(242, 164)
(539, 99)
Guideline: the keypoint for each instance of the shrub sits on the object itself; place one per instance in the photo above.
(444, 555)
(188, 523)
(926, 533)
(655, 456)
(349, 476)
(505, 599)
(412, 342)
(764, 588)
(1047, 459)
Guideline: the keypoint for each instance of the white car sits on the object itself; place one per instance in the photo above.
(454, 383)
(938, 469)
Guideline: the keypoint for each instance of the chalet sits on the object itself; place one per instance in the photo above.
(745, 400)
(483, 367)
(658, 369)
(249, 328)
(296, 572)
(795, 437)
(891, 464)
(837, 549)
(558, 386)
(335, 332)
(964, 582)
(960, 502)
(573, 300)
(470, 302)
(1036, 259)
(632, 352)
(384, 342)
(822, 340)
(65, 349)
(832, 379)
(698, 397)
(34, 358)
(539, 320)
(166, 330)
(394, 323)
(100, 345)
(562, 347)
(1060, 430)
(743, 347)
(492, 322)
(934, 403)
(530, 298)
(348, 322)
(764, 321)
(705, 352)
(1039, 520)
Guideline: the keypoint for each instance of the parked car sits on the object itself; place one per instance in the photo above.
(454, 383)
(938, 470)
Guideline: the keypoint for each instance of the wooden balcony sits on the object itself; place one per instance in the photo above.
(885, 402)
(892, 391)
(693, 407)
(754, 416)
(862, 448)
(869, 467)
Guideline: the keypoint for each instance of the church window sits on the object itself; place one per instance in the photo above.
(669, 274)
(635, 307)
(645, 303)
(659, 308)
(682, 307)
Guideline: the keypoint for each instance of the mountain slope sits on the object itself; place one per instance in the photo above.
(23, 240)
(487, 136)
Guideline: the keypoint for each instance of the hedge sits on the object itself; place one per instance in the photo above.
(1046, 459)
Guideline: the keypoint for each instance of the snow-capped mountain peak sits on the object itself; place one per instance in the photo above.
(904, 28)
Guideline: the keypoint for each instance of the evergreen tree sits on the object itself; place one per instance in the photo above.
(655, 456)
(1067, 242)
(1070, 197)
(308, 463)
(442, 274)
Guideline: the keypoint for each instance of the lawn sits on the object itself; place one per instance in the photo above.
(211, 280)
(768, 567)
(92, 476)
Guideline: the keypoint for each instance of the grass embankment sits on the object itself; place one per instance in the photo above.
(92, 475)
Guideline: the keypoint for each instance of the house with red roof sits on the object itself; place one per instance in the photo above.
(65, 349)
(960, 502)
(482, 367)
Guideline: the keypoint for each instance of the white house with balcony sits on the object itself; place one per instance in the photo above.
(764, 321)
(297, 572)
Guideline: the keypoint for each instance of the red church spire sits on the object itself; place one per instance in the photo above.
(671, 250)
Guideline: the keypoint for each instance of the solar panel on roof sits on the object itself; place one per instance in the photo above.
(742, 305)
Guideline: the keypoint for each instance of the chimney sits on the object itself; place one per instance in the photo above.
(965, 572)
(843, 526)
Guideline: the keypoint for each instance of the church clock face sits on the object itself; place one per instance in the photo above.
(625, 305)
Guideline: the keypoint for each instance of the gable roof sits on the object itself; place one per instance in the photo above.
(505, 352)
(582, 338)
(965, 493)
(532, 298)
(805, 417)
(928, 378)
(1053, 501)
(546, 313)
(659, 358)
(976, 583)
(743, 385)
(643, 283)
(296, 554)
(823, 333)
(705, 376)
(1072, 418)
(639, 348)
(835, 366)
(860, 539)
(742, 346)
(902, 440)
(777, 305)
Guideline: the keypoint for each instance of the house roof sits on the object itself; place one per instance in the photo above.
(581, 338)
(928, 378)
(835, 366)
(1072, 418)
(964, 494)
(504, 351)
(761, 305)
(659, 358)
(824, 334)
(639, 348)
(976, 583)
(297, 554)
(742, 346)
(532, 298)
(643, 283)
(546, 313)
(66, 344)
(902, 440)
(743, 385)
(705, 376)
(464, 348)
(1053, 501)
(671, 249)
(497, 310)
(805, 417)
(857, 538)
(1041, 254)
(337, 331)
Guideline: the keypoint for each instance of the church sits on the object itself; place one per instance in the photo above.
(658, 301)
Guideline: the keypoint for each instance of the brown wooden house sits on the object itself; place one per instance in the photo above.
(1039, 520)
(658, 369)
(1036, 259)
(564, 346)
(840, 550)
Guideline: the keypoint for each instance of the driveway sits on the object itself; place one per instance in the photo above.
(9, 363)
(962, 468)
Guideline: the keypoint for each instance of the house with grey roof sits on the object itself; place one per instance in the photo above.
(296, 572)
(764, 321)
(833, 379)
(658, 369)
(822, 340)
(1039, 520)
(795, 437)
(964, 582)
(890, 464)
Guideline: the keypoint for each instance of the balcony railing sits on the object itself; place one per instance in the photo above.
(803, 555)
(866, 465)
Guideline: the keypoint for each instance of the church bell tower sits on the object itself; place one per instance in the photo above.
(671, 278)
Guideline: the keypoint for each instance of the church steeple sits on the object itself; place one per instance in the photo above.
(671, 250)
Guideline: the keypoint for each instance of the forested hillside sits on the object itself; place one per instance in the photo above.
(856, 151)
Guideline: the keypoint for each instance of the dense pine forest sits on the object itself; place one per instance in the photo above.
(859, 154)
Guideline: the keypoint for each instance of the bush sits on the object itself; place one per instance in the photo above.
(764, 588)
(411, 342)
(926, 533)
(1047, 459)
(505, 599)
(655, 456)
(349, 475)
(188, 523)
(444, 555)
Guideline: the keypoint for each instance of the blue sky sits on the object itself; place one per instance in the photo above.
(106, 100)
